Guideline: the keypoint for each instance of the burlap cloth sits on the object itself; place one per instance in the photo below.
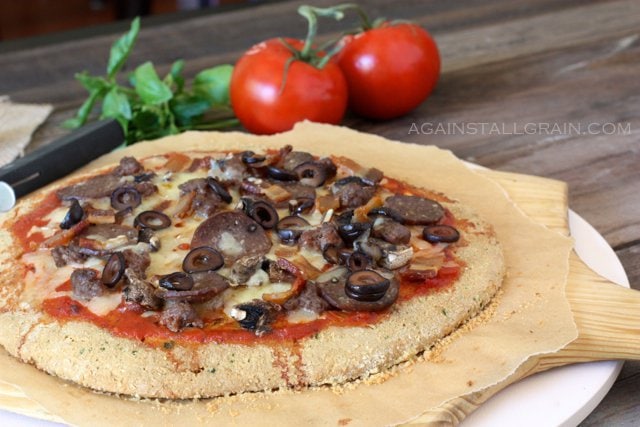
(532, 317)
(17, 124)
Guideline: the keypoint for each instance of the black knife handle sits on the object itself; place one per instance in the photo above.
(61, 157)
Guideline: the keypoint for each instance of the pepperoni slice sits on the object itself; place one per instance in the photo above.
(414, 210)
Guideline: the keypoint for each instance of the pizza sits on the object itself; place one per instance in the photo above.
(201, 273)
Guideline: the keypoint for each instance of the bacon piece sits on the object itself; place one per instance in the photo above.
(64, 237)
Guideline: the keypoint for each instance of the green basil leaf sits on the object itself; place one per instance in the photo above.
(149, 86)
(72, 123)
(85, 109)
(145, 120)
(176, 74)
(121, 49)
(189, 108)
(91, 83)
(213, 84)
(116, 105)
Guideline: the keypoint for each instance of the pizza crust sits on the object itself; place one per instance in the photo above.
(83, 353)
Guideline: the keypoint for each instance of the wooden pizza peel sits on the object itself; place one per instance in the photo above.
(605, 314)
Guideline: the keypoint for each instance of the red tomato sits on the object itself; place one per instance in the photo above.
(264, 106)
(390, 69)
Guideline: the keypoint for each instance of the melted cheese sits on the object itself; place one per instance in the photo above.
(314, 258)
(229, 245)
(103, 304)
(242, 294)
(302, 315)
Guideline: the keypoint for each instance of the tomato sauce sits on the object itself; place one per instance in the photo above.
(25, 223)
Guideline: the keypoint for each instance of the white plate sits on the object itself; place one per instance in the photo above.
(560, 397)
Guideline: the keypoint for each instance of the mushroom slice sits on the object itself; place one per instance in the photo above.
(385, 254)
(256, 315)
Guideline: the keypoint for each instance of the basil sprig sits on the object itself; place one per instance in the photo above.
(148, 106)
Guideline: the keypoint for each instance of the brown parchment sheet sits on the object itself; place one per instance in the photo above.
(533, 315)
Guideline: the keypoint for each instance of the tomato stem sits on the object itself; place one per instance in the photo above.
(311, 14)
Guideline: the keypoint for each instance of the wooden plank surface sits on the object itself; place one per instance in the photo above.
(505, 63)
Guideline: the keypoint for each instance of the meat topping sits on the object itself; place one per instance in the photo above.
(309, 299)
(177, 315)
(63, 255)
(296, 158)
(137, 262)
(277, 274)
(85, 284)
(128, 166)
(414, 210)
(321, 237)
(111, 231)
(140, 291)
(353, 194)
(392, 232)
(233, 234)
(244, 268)
(206, 201)
(207, 284)
(93, 188)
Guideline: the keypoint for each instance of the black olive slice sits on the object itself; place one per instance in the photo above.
(351, 231)
(313, 174)
(143, 177)
(113, 270)
(301, 205)
(331, 254)
(251, 158)
(219, 189)
(386, 212)
(366, 282)
(343, 217)
(73, 216)
(122, 214)
(152, 219)
(125, 197)
(177, 281)
(351, 179)
(263, 213)
(281, 174)
(201, 259)
(290, 228)
(364, 297)
(358, 261)
(440, 234)
(335, 293)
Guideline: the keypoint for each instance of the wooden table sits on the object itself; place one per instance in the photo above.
(540, 87)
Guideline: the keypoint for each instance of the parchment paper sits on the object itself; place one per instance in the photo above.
(533, 315)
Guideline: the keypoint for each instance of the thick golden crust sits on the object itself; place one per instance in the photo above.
(83, 353)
